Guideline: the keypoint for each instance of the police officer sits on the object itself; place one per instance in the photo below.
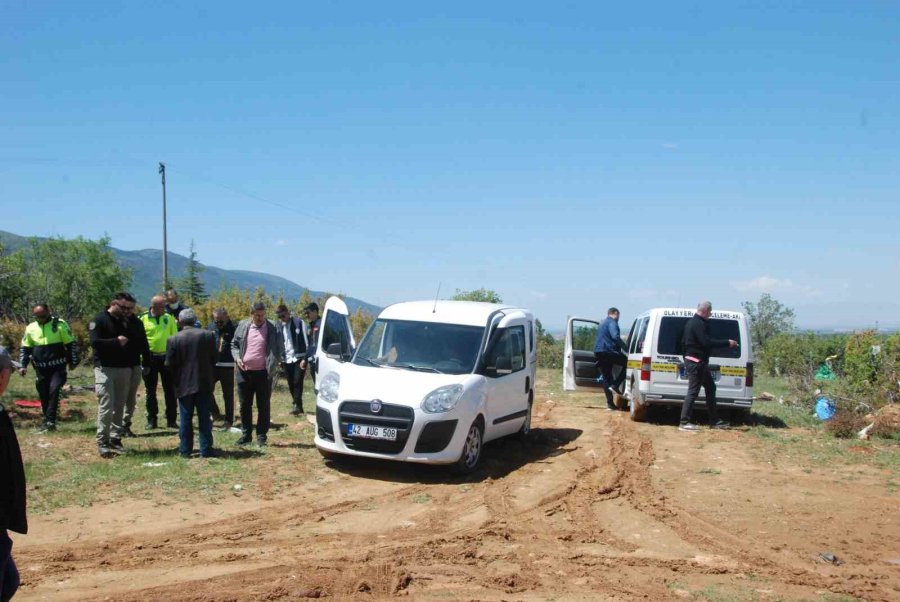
(48, 344)
(313, 322)
(159, 325)
(173, 306)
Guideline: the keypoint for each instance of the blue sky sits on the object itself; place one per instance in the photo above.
(571, 156)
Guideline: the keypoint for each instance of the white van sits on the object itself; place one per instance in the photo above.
(430, 382)
(655, 373)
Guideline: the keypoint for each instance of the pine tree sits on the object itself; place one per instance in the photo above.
(190, 285)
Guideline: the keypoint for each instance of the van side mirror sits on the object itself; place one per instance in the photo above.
(334, 351)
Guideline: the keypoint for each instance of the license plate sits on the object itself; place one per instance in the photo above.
(367, 431)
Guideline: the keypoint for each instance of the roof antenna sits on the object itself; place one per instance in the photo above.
(436, 295)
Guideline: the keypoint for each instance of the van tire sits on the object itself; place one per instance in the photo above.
(637, 409)
(525, 430)
(470, 456)
(620, 401)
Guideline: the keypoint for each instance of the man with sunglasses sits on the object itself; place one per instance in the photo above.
(120, 346)
(49, 345)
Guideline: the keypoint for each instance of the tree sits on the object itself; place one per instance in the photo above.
(481, 294)
(190, 285)
(768, 317)
(359, 323)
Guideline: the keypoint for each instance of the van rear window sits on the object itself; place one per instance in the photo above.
(671, 329)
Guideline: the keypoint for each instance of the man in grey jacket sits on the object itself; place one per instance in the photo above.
(257, 349)
(191, 361)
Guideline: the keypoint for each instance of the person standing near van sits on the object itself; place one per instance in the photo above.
(293, 336)
(257, 349)
(160, 326)
(697, 348)
(608, 351)
(13, 516)
(313, 323)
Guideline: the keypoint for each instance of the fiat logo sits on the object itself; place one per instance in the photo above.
(375, 406)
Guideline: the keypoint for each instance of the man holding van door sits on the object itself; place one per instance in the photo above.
(697, 348)
(608, 351)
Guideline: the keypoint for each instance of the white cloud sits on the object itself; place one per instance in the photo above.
(769, 284)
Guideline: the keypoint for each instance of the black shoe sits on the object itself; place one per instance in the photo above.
(171, 424)
(115, 445)
(262, 441)
(210, 454)
(104, 450)
(47, 427)
(151, 424)
(296, 410)
(244, 440)
(128, 433)
(721, 424)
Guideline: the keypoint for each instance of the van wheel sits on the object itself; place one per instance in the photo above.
(471, 451)
(525, 430)
(636, 408)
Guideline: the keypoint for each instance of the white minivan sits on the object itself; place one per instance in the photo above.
(655, 373)
(430, 381)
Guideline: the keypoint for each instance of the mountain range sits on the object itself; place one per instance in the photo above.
(146, 266)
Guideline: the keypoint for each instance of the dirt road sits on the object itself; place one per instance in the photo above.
(594, 507)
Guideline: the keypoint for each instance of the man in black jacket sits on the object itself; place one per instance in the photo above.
(311, 311)
(120, 344)
(12, 488)
(697, 347)
(223, 329)
(293, 334)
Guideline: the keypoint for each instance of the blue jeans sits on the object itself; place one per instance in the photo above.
(186, 406)
(9, 574)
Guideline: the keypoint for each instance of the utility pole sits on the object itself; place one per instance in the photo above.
(162, 171)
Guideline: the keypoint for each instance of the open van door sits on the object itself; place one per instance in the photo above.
(336, 344)
(579, 364)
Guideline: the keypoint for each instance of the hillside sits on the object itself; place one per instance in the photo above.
(147, 267)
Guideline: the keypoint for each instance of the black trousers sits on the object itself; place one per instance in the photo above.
(698, 375)
(225, 378)
(254, 384)
(49, 382)
(294, 375)
(158, 371)
(612, 378)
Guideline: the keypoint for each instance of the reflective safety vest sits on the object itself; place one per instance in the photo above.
(48, 345)
(158, 329)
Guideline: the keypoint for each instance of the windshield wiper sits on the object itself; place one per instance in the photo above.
(418, 368)
(373, 362)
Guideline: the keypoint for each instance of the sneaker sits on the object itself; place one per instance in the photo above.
(689, 427)
(610, 408)
(104, 450)
(47, 427)
(210, 454)
(244, 440)
(128, 433)
(115, 445)
(262, 441)
(721, 424)
(296, 410)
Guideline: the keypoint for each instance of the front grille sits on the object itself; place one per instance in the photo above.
(393, 416)
(435, 436)
(323, 423)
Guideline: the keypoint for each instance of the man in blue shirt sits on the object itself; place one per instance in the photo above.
(608, 351)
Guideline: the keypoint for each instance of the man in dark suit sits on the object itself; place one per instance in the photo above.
(293, 334)
(12, 488)
(191, 358)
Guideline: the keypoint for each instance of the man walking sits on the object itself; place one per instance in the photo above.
(48, 344)
(191, 359)
(257, 349)
(119, 343)
(12, 488)
(697, 347)
(608, 351)
(159, 326)
(293, 336)
(311, 311)
(223, 329)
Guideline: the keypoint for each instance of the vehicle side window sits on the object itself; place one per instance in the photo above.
(335, 330)
(531, 337)
(584, 335)
(642, 334)
(629, 344)
(508, 354)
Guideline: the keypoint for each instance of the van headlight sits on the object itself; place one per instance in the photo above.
(329, 387)
(442, 399)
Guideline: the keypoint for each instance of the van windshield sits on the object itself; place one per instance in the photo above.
(422, 346)
(671, 329)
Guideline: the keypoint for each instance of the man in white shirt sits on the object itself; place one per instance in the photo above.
(293, 333)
